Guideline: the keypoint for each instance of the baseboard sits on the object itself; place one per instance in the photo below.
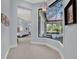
(13, 46)
(50, 46)
(37, 43)
(61, 44)
(5, 57)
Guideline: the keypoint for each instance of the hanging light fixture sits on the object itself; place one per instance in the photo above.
(45, 6)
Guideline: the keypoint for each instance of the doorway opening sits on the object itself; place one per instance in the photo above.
(23, 24)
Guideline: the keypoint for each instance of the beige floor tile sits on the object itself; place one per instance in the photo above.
(32, 51)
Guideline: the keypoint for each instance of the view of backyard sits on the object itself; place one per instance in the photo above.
(54, 28)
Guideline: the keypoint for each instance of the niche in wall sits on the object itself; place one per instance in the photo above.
(50, 22)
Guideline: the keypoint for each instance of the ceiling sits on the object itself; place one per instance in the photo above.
(39, 1)
(35, 1)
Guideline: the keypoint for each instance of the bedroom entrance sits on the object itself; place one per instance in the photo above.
(23, 24)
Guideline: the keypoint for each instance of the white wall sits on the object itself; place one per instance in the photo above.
(13, 24)
(4, 41)
(70, 42)
(9, 38)
(5, 34)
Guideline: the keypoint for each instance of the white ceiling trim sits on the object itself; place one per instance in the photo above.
(35, 1)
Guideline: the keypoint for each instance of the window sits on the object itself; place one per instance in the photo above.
(55, 11)
(54, 28)
(50, 23)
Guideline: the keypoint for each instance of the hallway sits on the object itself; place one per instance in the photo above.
(32, 51)
(32, 29)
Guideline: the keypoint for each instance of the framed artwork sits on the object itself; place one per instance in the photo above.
(70, 13)
(4, 19)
